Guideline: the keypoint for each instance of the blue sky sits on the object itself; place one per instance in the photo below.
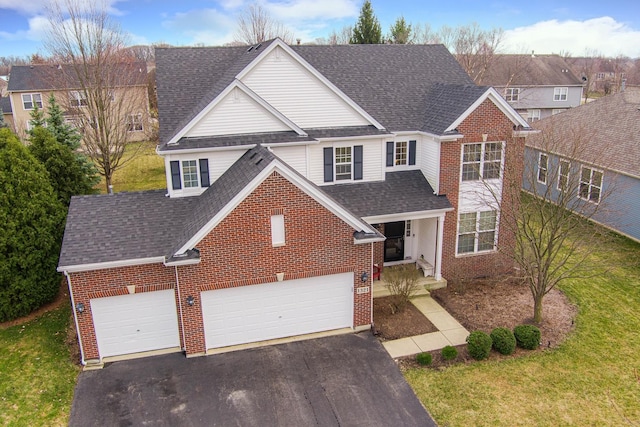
(608, 27)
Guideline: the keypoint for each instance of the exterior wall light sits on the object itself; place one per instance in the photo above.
(364, 276)
(190, 301)
(80, 307)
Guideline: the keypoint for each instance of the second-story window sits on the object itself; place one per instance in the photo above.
(189, 173)
(78, 99)
(343, 163)
(512, 94)
(30, 100)
(481, 160)
(560, 93)
(401, 153)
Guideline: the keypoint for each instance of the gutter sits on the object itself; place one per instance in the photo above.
(75, 318)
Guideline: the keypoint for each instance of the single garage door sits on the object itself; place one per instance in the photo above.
(274, 310)
(134, 323)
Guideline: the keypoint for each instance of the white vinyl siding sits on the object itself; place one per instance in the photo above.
(237, 113)
(296, 157)
(429, 161)
(372, 160)
(288, 86)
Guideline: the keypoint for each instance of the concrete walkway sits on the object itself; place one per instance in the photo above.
(450, 331)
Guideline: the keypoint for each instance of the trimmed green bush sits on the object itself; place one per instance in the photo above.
(479, 345)
(449, 352)
(504, 342)
(527, 336)
(424, 358)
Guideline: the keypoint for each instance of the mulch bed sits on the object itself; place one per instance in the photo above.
(390, 326)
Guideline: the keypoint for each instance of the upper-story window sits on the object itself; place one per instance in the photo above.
(512, 94)
(560, 93)
(78, 99)
(483, 159)
(563, 174)
(543, 165)
(342, 163)
(590, 184)
(401, 153)
(29, 100)
(189, 173)
(533, 115)
(600, 76)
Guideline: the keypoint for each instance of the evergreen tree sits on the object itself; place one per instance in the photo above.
(31, 227)
(37, 118)
(63, 132)
(3, 124)
(400, 32)
(67, 171)
(367, 29)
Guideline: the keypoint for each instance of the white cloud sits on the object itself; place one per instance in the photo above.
(37, 28)
(293, 11)
(203, 26)
(35, 7)
(604, 35)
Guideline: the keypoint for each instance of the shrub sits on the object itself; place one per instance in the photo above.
(479, 345)
(449, 352)
(527, 336)
(402, 282)
(424, 358)
(504, 342)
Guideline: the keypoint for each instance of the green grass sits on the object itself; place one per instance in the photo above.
(592, 379)
(37, 376)
(143, 170)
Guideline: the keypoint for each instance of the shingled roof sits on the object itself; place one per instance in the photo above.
(59, 77)
(390, 82)
(608, 130)
(529, 70)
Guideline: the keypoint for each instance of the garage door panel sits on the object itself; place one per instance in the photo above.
(135, 323)
(275, 310)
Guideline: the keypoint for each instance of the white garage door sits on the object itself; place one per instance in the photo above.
(133, 323)
(275, 310)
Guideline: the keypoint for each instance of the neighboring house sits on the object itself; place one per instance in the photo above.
(5, 106)
(31, 85)
(291, 171)
(537, 86)
(606, 75)
(598, 144)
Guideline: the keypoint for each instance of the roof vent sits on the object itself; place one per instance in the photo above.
(250, 49)
(255, 153)
(259, 46)
(259, 161)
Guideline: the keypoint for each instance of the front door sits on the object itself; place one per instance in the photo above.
(394, 245)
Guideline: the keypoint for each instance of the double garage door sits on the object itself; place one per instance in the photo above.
(148, 321)
(275, 310)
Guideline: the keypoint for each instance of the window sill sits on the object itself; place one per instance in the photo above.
(471, 254)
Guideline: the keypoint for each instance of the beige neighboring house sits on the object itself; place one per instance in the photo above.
(5, 105)
(32, 85)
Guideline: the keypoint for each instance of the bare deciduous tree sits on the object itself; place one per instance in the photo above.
(554, 239)
(256, 25)
(98, 72)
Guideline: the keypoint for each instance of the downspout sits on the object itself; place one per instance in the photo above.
(184, 341)
(75, 318)
(439, 243)
(372, 281)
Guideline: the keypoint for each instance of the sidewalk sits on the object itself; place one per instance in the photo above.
(450, 332)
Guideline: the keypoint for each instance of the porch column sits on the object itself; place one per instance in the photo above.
(438, 267)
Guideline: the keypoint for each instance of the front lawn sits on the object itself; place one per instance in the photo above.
(143, 170)
(37, 376)
(591, 379)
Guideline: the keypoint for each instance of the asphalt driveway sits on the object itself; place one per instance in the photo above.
(346, 380)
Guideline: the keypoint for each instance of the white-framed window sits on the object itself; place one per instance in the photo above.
(557, 111)
(600, 76)
(590, 184)
(512, 94)
(190, 174)
(401, 153)
(78, 99)
(29, 100)
(564, 166)
(134, 123)
(477, 232)
(560, 93)
(543, 167)
(277, 230)
(533, 115)
(343, 163)
(483, 159)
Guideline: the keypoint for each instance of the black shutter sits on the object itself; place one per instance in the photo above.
(390, 153)
(412, 152)
(175, 175)
(357, 162)
(204, 172)
(328, 164)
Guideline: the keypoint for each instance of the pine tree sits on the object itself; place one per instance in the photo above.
(37, 118)
(400, 32)
(3, 124)
(31, 226)
(63, 132)
(367, 29)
